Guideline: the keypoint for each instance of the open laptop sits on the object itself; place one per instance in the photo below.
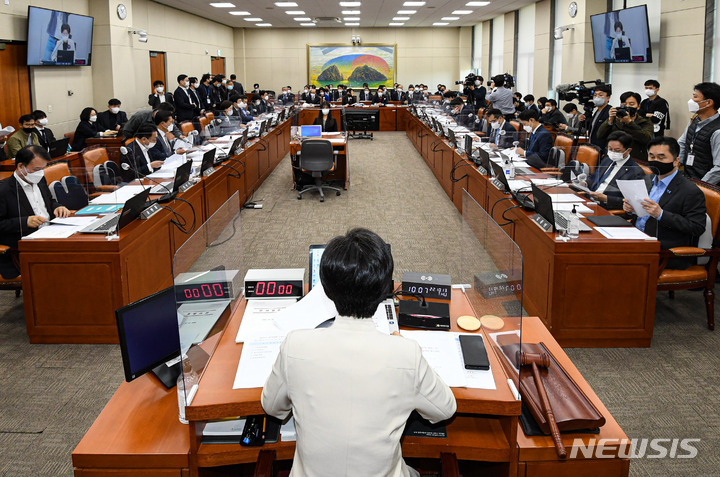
(310, 131)
(65, 57)
(59, 148)
(547, 217)
(115, 222)
(182, 175)
(483, 158)
(207, 162)
(522, 199)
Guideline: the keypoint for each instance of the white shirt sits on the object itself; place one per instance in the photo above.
(615, 169)
(34, 196)
(145, 153)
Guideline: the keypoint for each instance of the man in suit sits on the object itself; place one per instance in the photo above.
(349, 98)
(676, 206)
(380, 97)
(205, 92)
(184, 106)
(194, 96)
(573, 126)
(112, 118)
(550, 114)
(365, 94)
(502, 133)
(217, 92)
(350, 387)
(144, 118)
(617, 165)
(44, 134)
(332, 93)
(313, 97)
(243, 113)
(25, 204)
(463, 114)
(287, 97)
(601, 99)
(26, 136)
(238, 85)
(541, 141)
(166, 137)
(257, 107)
(159, 95)
(138, 156)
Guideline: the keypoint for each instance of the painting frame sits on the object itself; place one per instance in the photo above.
(316, 59)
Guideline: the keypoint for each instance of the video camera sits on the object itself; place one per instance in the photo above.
(469, 80)
(582, 91)
(508, 80)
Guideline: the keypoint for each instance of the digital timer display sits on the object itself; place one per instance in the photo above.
(203, 291)
(435, 292)
(273, 289)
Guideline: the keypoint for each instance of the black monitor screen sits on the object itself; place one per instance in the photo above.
(149, 333)
(622, 36)
(543, 204)
(58, 38)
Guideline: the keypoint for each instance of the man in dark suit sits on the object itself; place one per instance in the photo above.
(238, 85)
(205, 92)
(502, 133)
(333, 94)
(25, 204)
(159, 95)
(551, 115)
(463, 114)
(44, 134)
(217, 91)
(601, 99)
(380, 97)
(540, 143)
(313, 97)
(365, 95)
(112, 118)
(138, 154)
(286, 97)
(349, 98)
(184, 106)
(167, 134)
(617, 165)
(676, 206)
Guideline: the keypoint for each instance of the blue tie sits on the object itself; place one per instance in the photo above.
(604, 176)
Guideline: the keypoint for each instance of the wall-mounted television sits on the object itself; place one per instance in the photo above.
(58, 38)
(622, 36)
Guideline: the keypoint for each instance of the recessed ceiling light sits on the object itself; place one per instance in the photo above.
(263, 24)
(440, 23)
(407, 12)
(350, 4)
(252, 19)
(222, 5)
(351, 19)
(286, 4)
(413, 4)
(352, 24)
(239, 13)
(477, 4)
(401, 19)
(396, 24)
(307, 24)
(449, 19)
(302, 19)
(295, 12)
(350, 12)
(462, 12)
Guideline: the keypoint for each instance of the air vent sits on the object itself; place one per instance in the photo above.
(326, 20)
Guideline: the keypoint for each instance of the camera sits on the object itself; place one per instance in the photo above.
(469, 80)
(582, 91)
(622, 111)
(508, 80)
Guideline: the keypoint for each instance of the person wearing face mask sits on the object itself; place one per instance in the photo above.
(26, 136)
(502, 98)
(256, 107)
(242, 111)
(205, 92)
(478, 93)
(332, 93)
(380, 96)
(86, 128)
(138, 155)
(217, 91)
(518, 102)
(112, 118)
(635, 125)
(324, 119)
(541, 140)
(66, 43)
(238, 85)
(366, 95)
(349, 98)
(166, 137)
(143, 117)
(184, 106)
(25, 204)
(502, 134)
(44, 134)
(700, 143)
(550, 114)
(601, 99)
(287, 96)
(159, 96)
(529, 100)
(573, 126)
(616, 165)
(655, 108)
(194, 96)
(305, 95)
(676, 205)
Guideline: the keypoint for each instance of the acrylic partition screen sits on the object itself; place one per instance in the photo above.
(208, 270)
(492, 264)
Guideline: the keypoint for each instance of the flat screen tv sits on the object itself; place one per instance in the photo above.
(622, 36)
(58, 38)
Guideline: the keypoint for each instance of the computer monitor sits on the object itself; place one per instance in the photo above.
(132, 208)
(484, 159)
(451, 137)
(244, 138)
(310, 131)
(543, 205)
(207, 161)
(150, 337)
(316, 252)
(468, 145)
(59, 148)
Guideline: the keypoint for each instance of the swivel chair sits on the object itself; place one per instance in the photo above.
(318, 158)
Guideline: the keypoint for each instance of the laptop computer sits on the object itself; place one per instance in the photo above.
(310, 131)
(484, 162)
(59, 148)
(182, 175)
(65, 57)
(115, 222)
(522, 199)
(206, 166)
(451, 138)
(547, 217)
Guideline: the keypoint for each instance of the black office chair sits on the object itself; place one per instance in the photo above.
(318, 158)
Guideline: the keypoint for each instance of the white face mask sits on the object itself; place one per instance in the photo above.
(306, 91)
(224, 81)
(495, 124)
(93, 119)
(34, 177)
(616, 156)
(325, 111)
(239, 105)
(693, 106)
(114, 110)
(267, 98)
(64, 38)
(528, 128)
(380, 93)
(196, 85)
(599, 101)
(243, 105)
(171, 127)
(570, 115)
(228, 112)
(160, 89)
(411, 91)
(185, 84)
(528, 105)
(230, 87)
(151, 145)
(649, 93)
(477, 83)
(257, 103)
(42, 122)
(399, 90)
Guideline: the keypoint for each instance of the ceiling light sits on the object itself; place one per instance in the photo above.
(307, 24)
(252, 19)
(401, 19)
(350, 4)
(462, 12)
(477, 4)
(295, 12)
(450, 18)
(440, 23)
(350, 12)
(352, 24)
(239, 13)
(413, 4)
(303, 19)
(396, 24)
(222, 5)
(286, 4)
(351, 19)
(263, 24)
(407, 12)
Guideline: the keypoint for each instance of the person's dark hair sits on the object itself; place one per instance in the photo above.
(157, 83)
(499, 80)
(324, 104)
(233, 77)
(114, 102)
(552, 102)
(653, 83)
(256, 97)
(25, 118)
(205, 77)
(256, 85)
(457, 102)
(242, 96)
(710, 91)
(233, 96)
(494, 112)
(603, 88)
(570, 107)
(25, 155)
(630, 94)
(225, 105)
(193, 80)
(518, 95)
(356, 271)
(65, 27)
(528, 114)
(618, 25)
(85, 114)
(217, 79)
(542, 100)
(162, 116)
(166, 106)
(668, 141)
(481, 79)
(449, 94)
(38, 114)
(529, 97)
(181, 78)
(622, 137)
(145, 130)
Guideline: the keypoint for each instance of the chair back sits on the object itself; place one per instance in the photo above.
(434, 97)
(71, 136)
(588, 154)
(71, 193)
(516, 125)
(645, 168)
(316, 155)
(127, 141)
(92, 158)
(186, 127)
(566, 143)
(210, 116)
(204, 121)
(712, 203)
(557, 157)
(56, 171)
(107, 173)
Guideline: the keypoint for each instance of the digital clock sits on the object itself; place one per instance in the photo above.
(205, 286)
(429, 285)
(275, 283)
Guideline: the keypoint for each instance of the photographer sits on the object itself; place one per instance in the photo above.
(625, 118)
(502, 98)
(573, 126)
(601, 100)
(550, 114)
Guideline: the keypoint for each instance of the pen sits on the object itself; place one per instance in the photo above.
(263, 431)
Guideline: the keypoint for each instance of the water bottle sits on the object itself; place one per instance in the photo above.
(574, 224)
(512, 169)
(186, 387)
(181, 399)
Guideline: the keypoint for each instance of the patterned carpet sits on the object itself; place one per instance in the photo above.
(51, 394)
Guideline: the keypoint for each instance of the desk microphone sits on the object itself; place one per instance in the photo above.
(126, 167)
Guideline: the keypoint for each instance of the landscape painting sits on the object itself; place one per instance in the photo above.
(351, 65)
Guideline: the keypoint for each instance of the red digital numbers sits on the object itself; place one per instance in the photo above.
(205, 290)
(272, 289)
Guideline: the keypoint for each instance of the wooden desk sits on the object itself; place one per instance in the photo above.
(342, 165)
(589, 291)
(390, 118)
(112, 144)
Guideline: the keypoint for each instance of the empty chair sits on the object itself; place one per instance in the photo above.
(588, 154)
(69, 192)
(56, 171)
(186, 127)
(318, 158)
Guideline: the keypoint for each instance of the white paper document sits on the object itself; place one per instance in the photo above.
(517, 184)
(224, 428)
(6, 131)
(624, 233)
(259, 353)
(566, 198)
(81, 221)
(635, 192)
(53, 231)
(313, 309)
(547, 182)
(120, 196)
(259, 317)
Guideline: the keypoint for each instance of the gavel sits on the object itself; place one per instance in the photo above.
(543, 359)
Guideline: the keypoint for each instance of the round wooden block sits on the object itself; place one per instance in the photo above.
(492, 322)
(469, 323)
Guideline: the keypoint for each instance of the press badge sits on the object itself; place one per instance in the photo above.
(690, 160)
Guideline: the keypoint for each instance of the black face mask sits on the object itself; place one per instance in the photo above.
(28, 130)
(661, 167)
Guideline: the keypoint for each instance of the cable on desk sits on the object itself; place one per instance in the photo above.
(508, 221)
(180, 221)
(418, 296)
(492, 210)
(237, 174)
(458, 165)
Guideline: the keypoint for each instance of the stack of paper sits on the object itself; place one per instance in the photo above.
(119, 196)
(259, 317)
(53, 231)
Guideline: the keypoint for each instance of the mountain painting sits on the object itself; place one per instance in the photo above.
(351, 65)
